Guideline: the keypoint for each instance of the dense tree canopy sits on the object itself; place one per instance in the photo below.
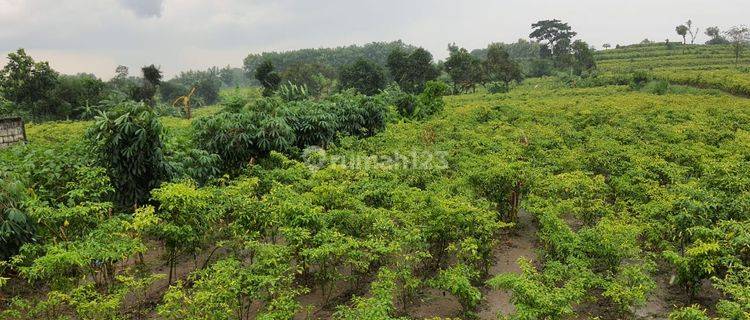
(411, 70)
(464, 69)
(363, 75)
(499, 67)
(29, 85)
(316, 77)
(557, 35)
(584, 57)
(334, 58)
(268, 77)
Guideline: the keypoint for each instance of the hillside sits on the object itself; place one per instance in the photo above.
(703, 66)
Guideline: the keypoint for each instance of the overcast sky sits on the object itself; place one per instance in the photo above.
(97, 35)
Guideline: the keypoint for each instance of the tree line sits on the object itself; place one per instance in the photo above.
(552, 49)
(33, 90)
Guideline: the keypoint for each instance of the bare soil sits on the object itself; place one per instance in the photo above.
(520, 243)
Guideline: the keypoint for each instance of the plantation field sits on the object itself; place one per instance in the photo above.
(702, 66)
(625, 204)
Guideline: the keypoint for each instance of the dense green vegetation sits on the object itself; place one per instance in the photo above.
(34, 91)
(706, 66)
(386, 187)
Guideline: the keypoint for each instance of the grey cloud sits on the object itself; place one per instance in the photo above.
(144, 8)
(198, 33)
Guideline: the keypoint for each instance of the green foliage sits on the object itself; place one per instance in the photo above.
(206, 83)
(234, 100)
(464, 69)
(700, 66)
(584, 57)
(239, 137)
(292, 92)
(499, 67)
(94, 255)
(30, 86)
(314, 124)
(736, 284)
(689, 313)
(267, 77)
(631, 287)
(379, 306)
(421, 106)
(228, 289)
(411, 71)
(698, 262)
(315, 77)
(682, 30)
(128, 142)
(77, 94)
(547, 295)
(364, 76)
(187, 162)
(185, 214)
(558, 36)
(458, 281)
(658, 87)
(608, 177)
(325, 58)
(360, 115)
(83, 302)
(147, 91)
(15, 226)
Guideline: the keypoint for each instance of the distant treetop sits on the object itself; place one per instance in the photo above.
(331, 57)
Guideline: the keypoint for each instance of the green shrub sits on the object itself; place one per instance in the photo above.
(239, 137)
(458, 281)
(689, 313)
(657, 87)
(314, 123)
(128, 142)
(359, 115)
(15, 226)
(292, 92)
(497, 87)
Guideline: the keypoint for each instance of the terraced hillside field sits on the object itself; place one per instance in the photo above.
(707, 66)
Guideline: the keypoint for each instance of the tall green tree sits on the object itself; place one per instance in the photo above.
(411, 70)
(499, 67)
(151, 80)
(29, 85)
(267, 77)
(738, 36)
(207, 85)
(464, 69)
(555, 34)
(315, 77)
(716, 37)
(682, 31)
(365, 76)
(584, 57)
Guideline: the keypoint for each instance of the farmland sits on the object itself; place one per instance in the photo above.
(613, 184)
(695, 65)
(619, 183)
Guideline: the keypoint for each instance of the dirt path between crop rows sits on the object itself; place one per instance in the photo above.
(516, 244)
(521, 243)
